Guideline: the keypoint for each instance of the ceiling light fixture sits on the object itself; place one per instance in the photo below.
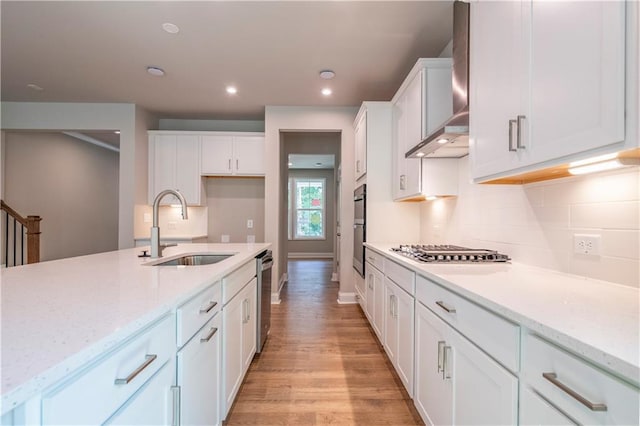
(318, 164)
(35, 87)
(442, 141)
(420, 154)
(155, 71)
(327, 74)
(431, 197)
(170, 28)
(290, 164)
(117, 132)
(232, 90)
(326, 91)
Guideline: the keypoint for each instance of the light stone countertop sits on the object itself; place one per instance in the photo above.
(597, 319)
(57, 316)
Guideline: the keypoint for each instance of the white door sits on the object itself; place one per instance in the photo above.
(499, 83)
(187, 159)
(536, 411)
(404, 314)
(248, 153)
(577, 77)
(249, 325)
(217, 153)
(199, 376)
(433, 393)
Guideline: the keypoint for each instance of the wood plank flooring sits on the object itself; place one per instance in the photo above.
(322, 363)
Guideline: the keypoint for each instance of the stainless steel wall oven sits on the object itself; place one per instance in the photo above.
(359, 227)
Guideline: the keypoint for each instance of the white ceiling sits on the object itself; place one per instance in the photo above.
(311, 161)
(272, 51)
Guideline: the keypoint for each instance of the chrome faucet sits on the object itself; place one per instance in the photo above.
(156, 249)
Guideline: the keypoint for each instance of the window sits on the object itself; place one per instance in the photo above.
(307, 209)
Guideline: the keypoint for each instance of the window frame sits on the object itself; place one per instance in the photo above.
(293, 209)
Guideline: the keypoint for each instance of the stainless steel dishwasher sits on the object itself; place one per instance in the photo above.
(264, 264)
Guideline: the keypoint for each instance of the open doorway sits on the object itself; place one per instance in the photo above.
(309, 217)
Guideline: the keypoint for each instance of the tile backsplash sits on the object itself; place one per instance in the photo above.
(535, 223)
(170, 221)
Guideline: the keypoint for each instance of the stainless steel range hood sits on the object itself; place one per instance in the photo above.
(451, 140)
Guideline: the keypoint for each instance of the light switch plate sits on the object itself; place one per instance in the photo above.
(251, 239)
(250, 223)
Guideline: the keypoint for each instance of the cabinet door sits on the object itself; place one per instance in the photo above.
(249, 324)
(390, 321)
(415, 119)
(248, 153)
(199, 376)
(187, 160)
(577, 77)
(399, 178)
(536, 411)
(484, 391)
(152, 404)
(370, 294)
(217, 153)
(164, 167)
(361, 146)
(499, 70)
(232, 323)
(378, 304)
(434, 393)
(404, 314)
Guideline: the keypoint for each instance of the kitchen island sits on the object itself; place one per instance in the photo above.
(59, 316)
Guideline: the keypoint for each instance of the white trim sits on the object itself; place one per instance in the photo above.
(334, 277)
(275, 298)
(347, 298)
(293, 208)
(283, 279)
(309, 255)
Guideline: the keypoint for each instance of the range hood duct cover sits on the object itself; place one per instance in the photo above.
(456, 129)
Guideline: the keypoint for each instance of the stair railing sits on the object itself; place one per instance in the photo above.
(16, 231)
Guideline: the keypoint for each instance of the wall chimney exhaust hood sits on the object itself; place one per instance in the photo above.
(451, 140)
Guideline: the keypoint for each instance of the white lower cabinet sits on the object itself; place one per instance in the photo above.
(198, 376)
(534, 410)
(239, 341)
(398, 331)
(457, 383)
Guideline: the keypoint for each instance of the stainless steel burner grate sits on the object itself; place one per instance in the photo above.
(449, 254)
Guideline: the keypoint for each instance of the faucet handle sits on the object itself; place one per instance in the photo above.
(145, 253)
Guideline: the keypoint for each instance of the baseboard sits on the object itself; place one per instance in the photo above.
(334, 277)
(346, 298)
(309, 255)
(275, 298)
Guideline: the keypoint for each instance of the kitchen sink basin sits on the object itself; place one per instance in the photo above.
(194, 260)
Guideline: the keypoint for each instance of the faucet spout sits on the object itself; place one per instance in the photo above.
(156, 249)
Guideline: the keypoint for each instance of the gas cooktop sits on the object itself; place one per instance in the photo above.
(449, 254)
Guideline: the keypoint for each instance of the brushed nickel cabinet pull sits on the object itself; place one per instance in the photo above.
(511, 124)
(237, 164)
(175, 421)
(229, 163)
(446, 373)
(148, 360)
(209, 307)
(440, 346)
(370, 281)
(519, 144)
(212, 333)
(445, 307)
(553, 378)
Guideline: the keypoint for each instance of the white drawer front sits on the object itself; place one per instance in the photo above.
(374, 259)
(580, 379)
(193, 314)
(495, 335)
(233, 283)
(93, 395)
(400, 275)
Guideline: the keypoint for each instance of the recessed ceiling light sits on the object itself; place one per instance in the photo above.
(318, 164)
(442, 141)
(117, 132)
(35, 87)
(170, 28)
(290, 164)
(420, 154)
(232, 90)
(327, 74)
(326, 91)
(158, 72)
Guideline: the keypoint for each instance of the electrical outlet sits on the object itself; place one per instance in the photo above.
(251, 239)
(250, 223)
(224, 239)
(586, 244)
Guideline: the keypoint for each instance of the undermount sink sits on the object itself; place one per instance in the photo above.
(194, 260)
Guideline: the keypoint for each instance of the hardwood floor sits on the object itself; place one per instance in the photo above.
(322, 363)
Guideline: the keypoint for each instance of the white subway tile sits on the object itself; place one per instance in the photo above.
(620, 244)
(610, 215)
(552, 216)
(614, 269)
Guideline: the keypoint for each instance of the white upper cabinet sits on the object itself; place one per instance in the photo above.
(240, 155)
(422, 103)
(174, 163)
(361, 143)
(547, 84)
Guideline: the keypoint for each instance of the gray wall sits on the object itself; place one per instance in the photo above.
(325, 246)
(72, 184)
(231, 202)
(212, 125)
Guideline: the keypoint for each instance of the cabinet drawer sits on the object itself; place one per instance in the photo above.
(233, 283)
(400, 275)
(495, 335)
(193, 314)
(93, 395)
(580, 379)
(375, 259)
